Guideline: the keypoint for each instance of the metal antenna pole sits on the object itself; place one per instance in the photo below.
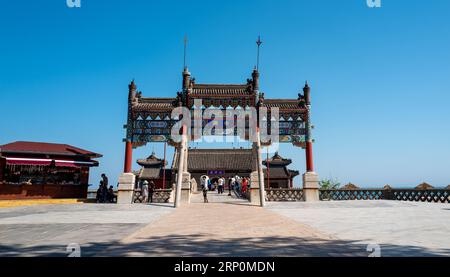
(258, 42)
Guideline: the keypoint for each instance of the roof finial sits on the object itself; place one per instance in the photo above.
(258, 42)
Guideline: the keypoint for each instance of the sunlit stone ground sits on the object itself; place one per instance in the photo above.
(228, 227)
(400, 228)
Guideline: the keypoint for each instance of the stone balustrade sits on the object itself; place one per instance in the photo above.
(159, 196)
(420, 195)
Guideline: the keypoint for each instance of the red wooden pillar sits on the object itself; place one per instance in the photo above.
(309, 157)
(128, 157)
(308, 140)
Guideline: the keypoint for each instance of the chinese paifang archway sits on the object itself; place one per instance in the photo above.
(150, 120)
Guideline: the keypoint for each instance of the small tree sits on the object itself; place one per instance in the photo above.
(326, 185)
(329, 184)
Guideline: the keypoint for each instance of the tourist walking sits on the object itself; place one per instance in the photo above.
(151, 190)
(205, 194)
(144, 191)
(244, 185)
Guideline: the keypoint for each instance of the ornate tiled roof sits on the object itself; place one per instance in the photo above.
(220, 89)
(29, 147)
(153, 173)
(152, 104)
(277, 160)
(220, 159)
(281, 103)
(151, 161)
(277, 172)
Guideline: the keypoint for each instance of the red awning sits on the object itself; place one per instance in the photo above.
(47, 162)
(70, 163)
(66, 164)
(25, 161)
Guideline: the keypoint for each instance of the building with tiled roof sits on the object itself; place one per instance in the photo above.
(44, 170)
(153, 169)
(277, 173)
(238, 161)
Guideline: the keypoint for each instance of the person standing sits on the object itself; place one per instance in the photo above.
(244, 185)
(209, 184)
(221, 183)
(111, 195)
(202, 181)
(99, 196)
(103, 192)
(151, 190)
(105, 180)
(144, 191)
(205, 194)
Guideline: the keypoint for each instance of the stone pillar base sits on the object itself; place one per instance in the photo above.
(126, 188)
(186, 188)
(255, 198)
(311, 187)
(172, 194)
(194, 185)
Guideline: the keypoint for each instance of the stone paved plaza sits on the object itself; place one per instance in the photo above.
(400, 228)
(228, 227)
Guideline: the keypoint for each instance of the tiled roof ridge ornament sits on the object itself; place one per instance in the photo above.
(261, 98)
(255, 80)
(132, 88)
(306, 93)
(277, 156)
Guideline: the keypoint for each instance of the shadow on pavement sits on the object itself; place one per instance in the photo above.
(200, 245)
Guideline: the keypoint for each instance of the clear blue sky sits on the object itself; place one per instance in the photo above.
(380, 77)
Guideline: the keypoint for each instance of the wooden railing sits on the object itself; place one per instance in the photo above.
(159, 196)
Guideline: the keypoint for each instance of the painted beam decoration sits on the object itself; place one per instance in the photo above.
(151, 119)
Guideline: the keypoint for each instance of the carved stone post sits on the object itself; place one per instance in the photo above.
(126, 188)
(183, 189)
(262, 191)
(257, 191)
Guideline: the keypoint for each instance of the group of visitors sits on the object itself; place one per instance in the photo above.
(147, 191)
(105, 194)
(237, 184)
